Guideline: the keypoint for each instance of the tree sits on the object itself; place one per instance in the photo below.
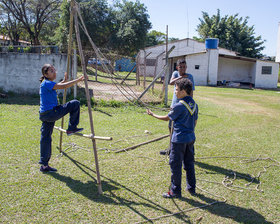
(233, 33)
(97, 16)
(154, 38)
(32, 14)
(131, 26)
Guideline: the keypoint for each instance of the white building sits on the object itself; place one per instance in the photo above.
(209, 65)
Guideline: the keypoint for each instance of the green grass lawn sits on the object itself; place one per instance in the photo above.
(234, 125)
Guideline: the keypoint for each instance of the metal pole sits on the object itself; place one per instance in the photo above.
(166, 79)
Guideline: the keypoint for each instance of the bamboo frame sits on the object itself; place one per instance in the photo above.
(86, 136)
(143, 143)
(69, 51)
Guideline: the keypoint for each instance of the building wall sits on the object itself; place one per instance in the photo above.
(235, 70)
(21, 72)
(264, 80)
(200, 74)
(213, 59)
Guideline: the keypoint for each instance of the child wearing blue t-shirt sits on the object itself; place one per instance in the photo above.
(184, 114)
(50, 112)
(181, 66)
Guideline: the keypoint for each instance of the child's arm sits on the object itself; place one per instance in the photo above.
(163, 118)
(65, 85)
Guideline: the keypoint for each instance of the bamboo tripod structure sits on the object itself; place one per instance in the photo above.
(73, 16)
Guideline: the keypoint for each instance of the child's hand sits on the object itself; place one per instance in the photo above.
(150, 112)
(81, 78)
(65, 76)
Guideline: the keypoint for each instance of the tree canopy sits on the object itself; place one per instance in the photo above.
(31, 14)
(233, 33)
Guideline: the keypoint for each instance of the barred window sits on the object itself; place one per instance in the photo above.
(266, 70)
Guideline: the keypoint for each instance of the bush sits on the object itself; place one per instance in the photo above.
(10, 48)
(27, 50)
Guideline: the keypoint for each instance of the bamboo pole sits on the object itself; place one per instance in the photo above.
(143, 143)
(88, 97)
(128, 74)
(86, 136)
(69, 51)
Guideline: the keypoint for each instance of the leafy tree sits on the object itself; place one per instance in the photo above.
(154, 38)
(233, 33)
(32, 14)
(131, 26)
(97, 16)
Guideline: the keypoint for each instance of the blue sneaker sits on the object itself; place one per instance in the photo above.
(47, 169)
(71, 132)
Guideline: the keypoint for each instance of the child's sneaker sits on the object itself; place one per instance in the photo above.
(47, 169)
(170, 194)
(73, 131)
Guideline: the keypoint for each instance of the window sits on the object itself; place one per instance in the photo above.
(266, 70)
(196, 66)
(150, 62)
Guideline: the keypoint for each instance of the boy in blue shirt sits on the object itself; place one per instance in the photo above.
(184, 114)
(181, 66)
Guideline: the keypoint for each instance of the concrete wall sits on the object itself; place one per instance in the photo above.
(213, 59)
(21, 72)
(200, 74)
(264, 80)
(235, 70)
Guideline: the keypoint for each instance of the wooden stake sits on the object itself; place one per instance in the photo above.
(88, 97)
(143, 143)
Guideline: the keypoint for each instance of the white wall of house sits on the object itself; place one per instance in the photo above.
(200, 73)
(235, 70)
(266, 80)
(21, 72)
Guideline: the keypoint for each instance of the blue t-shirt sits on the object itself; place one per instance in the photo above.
(176, 75)
(184, 114)
(48, 96)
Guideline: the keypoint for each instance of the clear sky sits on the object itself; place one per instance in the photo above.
(182, 16)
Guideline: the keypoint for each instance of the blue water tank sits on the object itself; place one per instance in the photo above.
(211, 43)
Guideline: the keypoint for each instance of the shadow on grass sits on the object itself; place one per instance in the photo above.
(20, 99)
(226, 172)
(109, 197)
(237, 214)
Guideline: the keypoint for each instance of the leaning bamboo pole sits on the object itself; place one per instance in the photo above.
(78, 38)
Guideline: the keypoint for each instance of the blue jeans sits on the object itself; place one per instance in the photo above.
(182, 153)
(48, 120)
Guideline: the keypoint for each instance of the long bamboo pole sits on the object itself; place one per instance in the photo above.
(143, 143)
(69, 52)
(86, 136)
(88, 97)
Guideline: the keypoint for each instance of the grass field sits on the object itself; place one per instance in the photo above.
(238, 135)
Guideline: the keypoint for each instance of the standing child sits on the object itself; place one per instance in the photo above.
(184, 115)
(181, 67)
(50, 112)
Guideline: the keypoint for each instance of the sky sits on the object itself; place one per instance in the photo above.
(182, 17)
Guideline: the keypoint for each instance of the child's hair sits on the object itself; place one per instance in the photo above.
(45, 69)
(181, 61)
(185, 84)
